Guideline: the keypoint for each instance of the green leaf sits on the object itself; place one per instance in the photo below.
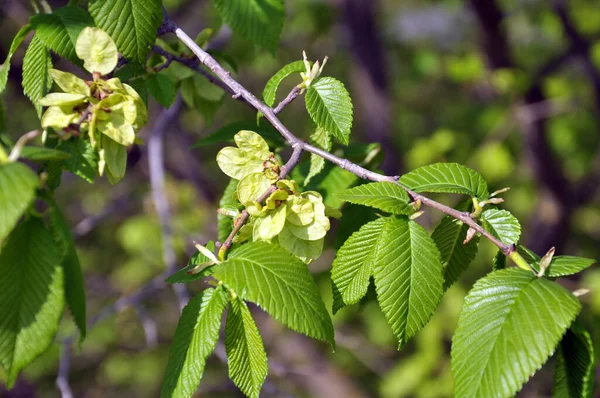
(131, 23)
(36, 72)
(385, 196)
(162, 89)
(246, 355)
(73, 278)
(115, 156)
(499, 261)
(502, 224)
(353, 264)
(2, 116)
(17, 190)
(97, 50)
(330, 107)
(198, 259)
(227, 132)
(31, 296)
(5, 67)
(279, 283)
(456, 256)
(59, 30)
(446, 177)
(228, 201)
(258, 20)
(322, 140)
(574, 375)
(40, 154)
(195, 339)
(408, 277)
(83, 160)
(509, 325)
(273, 83)
(564, 265)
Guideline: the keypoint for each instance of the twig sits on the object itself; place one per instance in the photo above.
(291, 96)
(156, 165)
(295, 142)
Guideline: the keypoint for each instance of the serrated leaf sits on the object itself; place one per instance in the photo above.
(502, 224)
(228, 200)
(59, 30)
(574, 374)
(2, 115)
(162, 89)
(227, 132)
(273, 84)
(456, 256)
(408, 277)
(5, 67)
(17, 190)
(132, 24)
(509, 325)
(258, 20)
(564, 265)
(73, 277)
(353, 264)
(198, 259)
(321, 139)
(385, 196)
(31, 296)
(83, 160)
(246, 357)
(279, 283)
(499, 261)
(446, 177)
(36, 72)
(195, 339)
(330, 107)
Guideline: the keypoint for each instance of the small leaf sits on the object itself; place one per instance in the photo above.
(258, 20)
(36, 72)
(62, 99)
(353, 264)
(502, 224)
(330, 107)
(574, 375)
(322, 140)
(564, 265)
(251, 187)
(449, 237)
(305, 250)
(59, 30)
(248, 158)
(131, 23)
(17, 190)
(31, 296)
(446, 177)
(116, 158)
(228, 200)
(83, 160)
(279, 283)
(499, 261)
(408, 277)
(269, 226)
(227, 132)
(385, 196)
(70, 83)
(162, 89)
(273, 84)
(246, 357)
(195, 339)
(74, 286)
(97, 50)
(5, 67)
(198, 259)
(509, 325)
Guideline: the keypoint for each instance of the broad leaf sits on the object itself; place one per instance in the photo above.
(509, 325)
(279, 283)
(162, 89)
(41, 154)
(36, 72)
(74, 286)
(31, 296)
(195, 339)
(321, 139)
(59, 30)
(83, 159)
(132, 24)
(246, 357)
(17, 190)
(385, 196)
(502, 224)
(564, 265)
(408, 277)
(258, 20)
(330, 107)
(5, 67)
(273, 84)
(353, 264)
(449, 237)
(446, 177)
(574, 375)
(499, 261)
(198, 262)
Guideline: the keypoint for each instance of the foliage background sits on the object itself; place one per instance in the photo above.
(431, 82)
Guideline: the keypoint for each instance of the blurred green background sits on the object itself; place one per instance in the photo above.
(510, 88)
